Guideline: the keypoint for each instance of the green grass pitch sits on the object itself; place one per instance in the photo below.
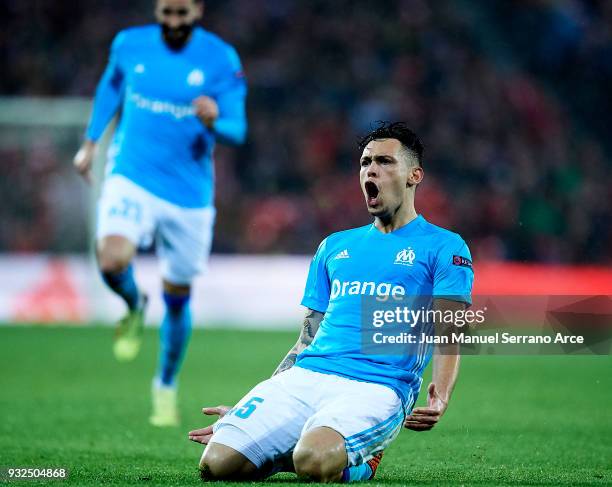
(64, 401)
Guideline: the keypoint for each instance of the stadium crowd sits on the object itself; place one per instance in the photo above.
(510, 164)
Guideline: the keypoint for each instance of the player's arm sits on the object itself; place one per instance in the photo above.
(453, 278)
(231, 126)
(316, 297)
(312, 320)
(225, 112)
(109, 95)
(446, 360)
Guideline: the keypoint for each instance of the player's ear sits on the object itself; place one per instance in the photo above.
(415, 176)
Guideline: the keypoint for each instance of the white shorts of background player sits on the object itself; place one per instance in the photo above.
(183, 236)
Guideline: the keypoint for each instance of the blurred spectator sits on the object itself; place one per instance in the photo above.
(509, 163)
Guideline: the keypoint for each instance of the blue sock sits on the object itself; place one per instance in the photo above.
(357, 473)
(174, 335)
(124, 285)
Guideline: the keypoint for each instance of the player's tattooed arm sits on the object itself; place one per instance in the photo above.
(311, 323)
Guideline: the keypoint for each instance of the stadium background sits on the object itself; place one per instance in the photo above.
(512, 101)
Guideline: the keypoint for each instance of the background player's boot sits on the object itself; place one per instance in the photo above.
(365, 471)
(165, 410)
(128, 334)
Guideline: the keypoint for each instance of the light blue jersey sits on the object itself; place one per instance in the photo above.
(418, 259)
(159, 143)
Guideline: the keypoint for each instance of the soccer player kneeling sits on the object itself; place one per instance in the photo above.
(330, 409)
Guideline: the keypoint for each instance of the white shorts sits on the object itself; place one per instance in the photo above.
(183, 235)
(267, 423)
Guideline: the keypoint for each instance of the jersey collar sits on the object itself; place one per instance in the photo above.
(408, 227)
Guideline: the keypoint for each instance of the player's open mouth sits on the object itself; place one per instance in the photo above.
(372, 193)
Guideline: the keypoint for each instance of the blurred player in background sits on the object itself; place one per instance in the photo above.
(329, 417)
(177, 89)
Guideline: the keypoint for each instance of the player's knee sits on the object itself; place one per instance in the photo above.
(314, 464)
(114, 255)
(176, 289)
(320, 455)
(219, 462)
(206, 473)
(213, 466)
(112, 264)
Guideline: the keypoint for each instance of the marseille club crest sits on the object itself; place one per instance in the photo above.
(405, 257)
(195, 78)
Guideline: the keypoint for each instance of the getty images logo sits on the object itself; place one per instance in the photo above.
(405, 257)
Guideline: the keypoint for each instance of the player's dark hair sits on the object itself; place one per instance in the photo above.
(399, 131)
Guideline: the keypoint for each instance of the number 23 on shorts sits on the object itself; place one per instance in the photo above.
(244, 411)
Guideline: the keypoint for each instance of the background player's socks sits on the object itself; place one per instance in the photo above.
(124, 285)
(174, 334)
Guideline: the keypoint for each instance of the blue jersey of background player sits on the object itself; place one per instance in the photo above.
(331, 407)
(177, 89)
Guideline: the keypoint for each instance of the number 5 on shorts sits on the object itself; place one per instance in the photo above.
(245, 411)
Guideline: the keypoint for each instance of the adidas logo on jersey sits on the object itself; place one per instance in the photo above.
(343, 255)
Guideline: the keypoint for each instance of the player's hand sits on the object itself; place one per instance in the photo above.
(206, 109)
(84, 158)
(203, 435)
(423, 419)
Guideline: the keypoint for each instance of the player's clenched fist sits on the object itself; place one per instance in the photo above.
(84, 159)
(206, 109)
(203, 435)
